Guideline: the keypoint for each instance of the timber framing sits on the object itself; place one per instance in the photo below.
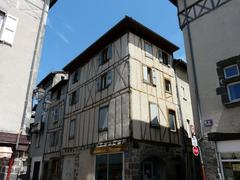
(124, 26)
(197, 10)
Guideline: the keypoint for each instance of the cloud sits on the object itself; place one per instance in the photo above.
(58, 33)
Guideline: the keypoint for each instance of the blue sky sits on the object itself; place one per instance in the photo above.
(74, 25)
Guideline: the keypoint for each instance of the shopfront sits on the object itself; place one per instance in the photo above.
(229, 157)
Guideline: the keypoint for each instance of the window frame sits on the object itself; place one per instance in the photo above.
(175, 120)
(3, 14)
(74, 100)
(226, 67)
(102, 129)
(105, 55)
(151, 75)
(229, 94)
(107, 156)
(75, 77)
(153, 125)
(165, 85)
(147, 53)
(72, 136)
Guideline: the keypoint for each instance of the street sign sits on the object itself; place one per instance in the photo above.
(194, 141)
(195, 151)
(208, 123)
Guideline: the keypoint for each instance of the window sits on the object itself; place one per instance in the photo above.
(154, 115)
(105, 55)
(8, 26)
(229, 81)
(75, 77)
(104, 81)
(56, 115)
(231, 71)
(2, 17)
(59, 94)
(149, 75)
(168, 87)
(109, 166)
(73, 98)
(37, 140)
(165, 58)
(234, 91)
(103, 118)
(183, 93)
(53, 139)
(71, 134)
(148, 49)
(172, 120)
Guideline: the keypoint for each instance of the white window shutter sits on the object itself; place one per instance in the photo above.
(109, 78)
(145, 73)
(170, 59)
(154, 78)
(9, 29)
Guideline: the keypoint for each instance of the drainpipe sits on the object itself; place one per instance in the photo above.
(199, 112)
(34, 66)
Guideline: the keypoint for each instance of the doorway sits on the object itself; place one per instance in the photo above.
(36, 170)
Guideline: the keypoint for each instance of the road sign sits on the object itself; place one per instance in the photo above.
(194, 141)
(195, 151)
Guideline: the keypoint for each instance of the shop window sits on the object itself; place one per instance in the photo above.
(109, 166)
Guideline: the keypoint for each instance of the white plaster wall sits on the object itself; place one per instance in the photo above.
(16, 61)
(215, 37)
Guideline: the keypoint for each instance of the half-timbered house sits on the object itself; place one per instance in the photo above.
(122, 112)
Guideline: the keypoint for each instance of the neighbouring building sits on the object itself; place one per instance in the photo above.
(211, 34)
(122, 116)
(22, 27)
(46, 130)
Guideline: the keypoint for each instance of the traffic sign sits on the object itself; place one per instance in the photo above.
(195, 151)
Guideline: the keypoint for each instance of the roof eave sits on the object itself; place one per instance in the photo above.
(125, 25)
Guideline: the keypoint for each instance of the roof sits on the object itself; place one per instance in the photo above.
(48, 78)
(174, 2)
(180, 63)
(52, 2)
(58, 85)
(127, 24)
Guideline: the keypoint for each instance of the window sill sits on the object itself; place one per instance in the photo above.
(173, 131)
(168, 92)
(149, 83)
(71, 138)
(232, 104)
(155, 126)
(102, 130)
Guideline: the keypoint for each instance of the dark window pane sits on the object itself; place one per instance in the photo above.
(101, 167)
(103, 118)
(234, 91)
(231, 71)
(231, 170)
(115, 166)
(172, 120)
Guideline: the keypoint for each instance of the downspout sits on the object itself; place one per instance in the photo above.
(34, 65)
(199, 112)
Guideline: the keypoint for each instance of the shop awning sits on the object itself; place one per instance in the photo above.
(5, 152)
